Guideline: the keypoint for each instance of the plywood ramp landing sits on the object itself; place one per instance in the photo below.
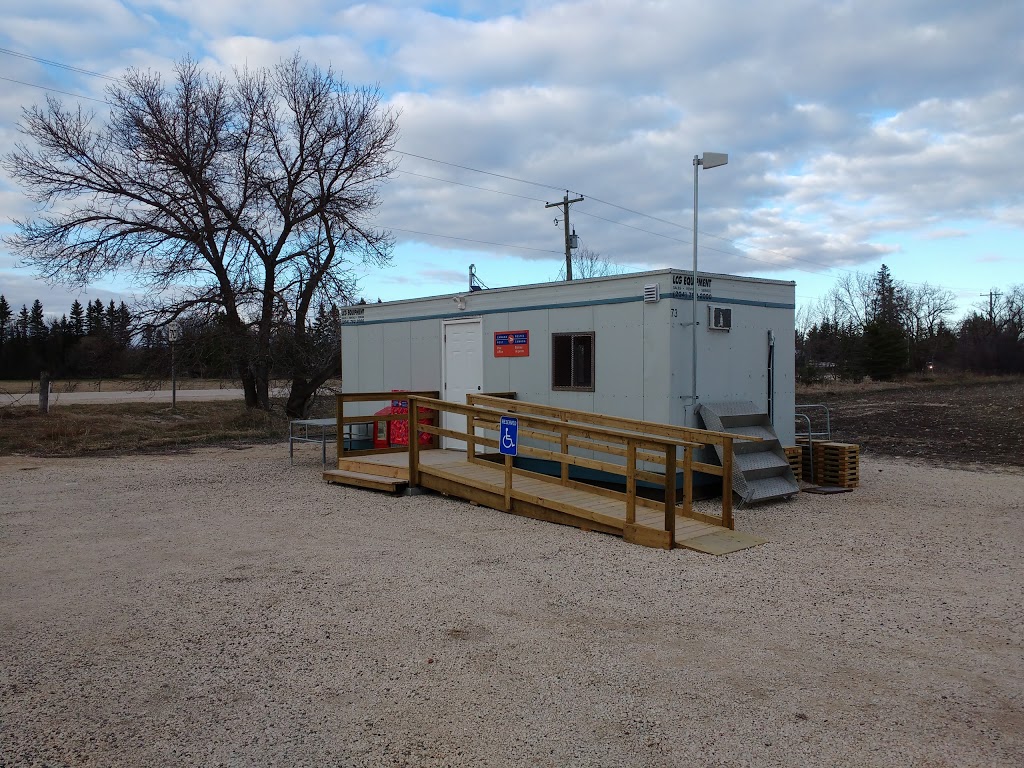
(535, 496)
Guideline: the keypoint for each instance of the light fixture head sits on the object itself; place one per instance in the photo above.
(713, 159)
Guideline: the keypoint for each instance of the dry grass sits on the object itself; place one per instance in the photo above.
(133, 428)
(130, 384)
(916, 381)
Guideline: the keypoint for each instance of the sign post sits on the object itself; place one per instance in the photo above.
(508, 446)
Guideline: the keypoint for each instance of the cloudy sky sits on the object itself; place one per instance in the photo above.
(858, 132)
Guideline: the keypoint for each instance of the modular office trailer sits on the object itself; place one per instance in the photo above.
(618, 345)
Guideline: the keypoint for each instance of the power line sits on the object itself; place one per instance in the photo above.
(53, 90)
(471, 186)
(741, 248)
(68, 67)
(739, 254)
(470, 240)
(638, 213)
(478, 170)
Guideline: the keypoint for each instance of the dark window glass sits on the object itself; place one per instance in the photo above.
(572, 361)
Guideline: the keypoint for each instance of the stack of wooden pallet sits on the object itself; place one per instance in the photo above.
(835, 464)
(795, 455)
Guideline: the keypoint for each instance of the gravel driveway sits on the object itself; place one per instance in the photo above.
(222, 608)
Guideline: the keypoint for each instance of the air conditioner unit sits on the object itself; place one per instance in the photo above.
(719, 318)
(652, 293)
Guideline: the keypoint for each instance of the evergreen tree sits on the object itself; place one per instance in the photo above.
(110, 319)
(77, 320)
(37, 321)
(5, 319)
(122, 324)
(94, 318)
(21, 325)
(885, 341)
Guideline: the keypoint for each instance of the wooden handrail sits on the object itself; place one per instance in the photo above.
(555, 433)
(617, 435)
(652, 427)
(700, 436)
(369, 397)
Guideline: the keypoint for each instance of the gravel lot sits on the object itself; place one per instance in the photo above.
(222, 608)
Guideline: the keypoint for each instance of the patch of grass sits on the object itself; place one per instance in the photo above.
(913, 381)
(134, 427)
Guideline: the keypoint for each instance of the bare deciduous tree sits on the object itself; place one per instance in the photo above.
(251, 197)
(587, 263)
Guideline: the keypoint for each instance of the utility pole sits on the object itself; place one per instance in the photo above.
(992, 296)
(564, 205)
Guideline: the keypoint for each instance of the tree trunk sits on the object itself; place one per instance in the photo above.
(44, 392)
(249, 386)
(263, 385)
(300, 399)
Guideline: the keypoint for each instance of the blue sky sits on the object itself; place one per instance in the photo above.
(858, 132)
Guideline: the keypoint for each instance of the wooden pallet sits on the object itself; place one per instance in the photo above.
(833, 463)
(794, 453)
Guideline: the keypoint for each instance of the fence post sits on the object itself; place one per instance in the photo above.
(44, 391)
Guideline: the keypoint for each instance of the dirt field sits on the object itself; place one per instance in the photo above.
(974, 422)
(222, 608)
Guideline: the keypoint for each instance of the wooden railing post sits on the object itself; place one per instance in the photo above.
(670, 494)
(471, 429)
(727, 483)
(565, 450)
(687, 480)
(339, 415)
(414, 443)
(631, 481)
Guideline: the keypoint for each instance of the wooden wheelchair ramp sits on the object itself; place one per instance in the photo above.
(537, 497)
(491, 480)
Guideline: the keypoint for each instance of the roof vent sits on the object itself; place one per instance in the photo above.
(652, 293)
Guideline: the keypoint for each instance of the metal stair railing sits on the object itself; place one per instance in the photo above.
(826, 434)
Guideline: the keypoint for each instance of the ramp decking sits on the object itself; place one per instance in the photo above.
(638, 452)
(450, 473)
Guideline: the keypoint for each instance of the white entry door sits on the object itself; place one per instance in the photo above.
(463, 370)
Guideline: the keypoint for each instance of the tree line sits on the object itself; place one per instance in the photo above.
(878, 326)
(88, 341)
(111, 341)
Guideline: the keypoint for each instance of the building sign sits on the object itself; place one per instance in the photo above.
(682, 287)
(511, 343)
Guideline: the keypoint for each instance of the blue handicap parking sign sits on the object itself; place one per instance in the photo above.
(508, 435)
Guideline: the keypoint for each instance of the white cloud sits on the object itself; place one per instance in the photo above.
(847, 124)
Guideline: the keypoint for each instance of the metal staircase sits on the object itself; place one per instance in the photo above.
(761, 470)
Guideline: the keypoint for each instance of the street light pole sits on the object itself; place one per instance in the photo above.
(708, 160)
